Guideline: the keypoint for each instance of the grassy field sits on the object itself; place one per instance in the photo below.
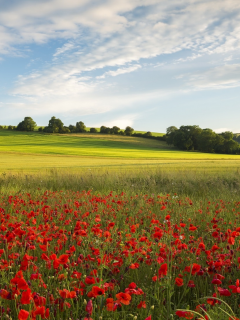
(29, 161)
(35, 151)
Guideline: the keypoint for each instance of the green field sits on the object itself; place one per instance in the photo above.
(35, 151)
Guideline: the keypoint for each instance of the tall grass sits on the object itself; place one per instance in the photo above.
(199, 184)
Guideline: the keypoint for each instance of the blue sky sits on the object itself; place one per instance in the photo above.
(149, 64)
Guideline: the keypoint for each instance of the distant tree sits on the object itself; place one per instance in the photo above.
(121, 132)
(27, 124)
(171, 129)
(129, 131)
(208, 140)
(228, 135)
(102, 129)
(148, 134)
(115, 130)
(93, 130)
(170, 132)
(11, 127)
(54, 126)
(80, 127)
(1, 127)
(72, 128)
(40, 129)
(184, 138)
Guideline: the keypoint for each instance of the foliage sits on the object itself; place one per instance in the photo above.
(56, 126)
(93, 130)
(204, 140)
(28, 124)
(80, 127)
(129, 131)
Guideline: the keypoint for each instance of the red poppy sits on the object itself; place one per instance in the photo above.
(185, 314)
(23, 315)
(26, 297)
(142, 304)
(89, 307)
(95, 292)
(63, 259)
(124, 298)
(179, 282)
(163, 270)
(224, 292)
(235, 289)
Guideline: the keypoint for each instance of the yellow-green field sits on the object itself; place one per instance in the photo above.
(31, 152)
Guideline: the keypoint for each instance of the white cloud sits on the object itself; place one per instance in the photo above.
(119, 71)
(115, 35)
(221, 77)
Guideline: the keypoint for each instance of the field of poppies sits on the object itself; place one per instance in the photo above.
(82, 255)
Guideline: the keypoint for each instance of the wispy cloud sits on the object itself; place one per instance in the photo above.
(119, 71)
(221, 77)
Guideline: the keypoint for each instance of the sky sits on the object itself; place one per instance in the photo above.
(149, 64)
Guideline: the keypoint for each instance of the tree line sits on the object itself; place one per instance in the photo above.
(56, 125)
(204, 140)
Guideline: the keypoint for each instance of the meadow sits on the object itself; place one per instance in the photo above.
(106, 227)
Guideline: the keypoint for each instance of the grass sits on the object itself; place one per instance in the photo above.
(35, 151)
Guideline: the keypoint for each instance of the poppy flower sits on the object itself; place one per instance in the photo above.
(224, 292)
(95, 292)
(110, 304)
(179, 282)
(23, 315)
(185, 314)
(124, 298)
(63, 259)
(142, 304)
(89, 307)
(163, 270)
(26, 297)
(235, 289)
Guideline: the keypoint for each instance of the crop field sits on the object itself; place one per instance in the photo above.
(35, 151)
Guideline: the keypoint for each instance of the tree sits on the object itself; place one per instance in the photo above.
(93, 130)
(148, 134)
(170, 132)
(208, 140)
(27, 124)
(80, 127)
(129, 131)
(72, 128)
(102, 129)
(228, 135)
(54, 126)
(115, 130)
(171, 129)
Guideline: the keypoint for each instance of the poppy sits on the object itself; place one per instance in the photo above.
(26, 297)
(89, 307)
(23, 315)
(184, 314)
(179, 282)
(124, 298)
(163, 270)
(142, 304)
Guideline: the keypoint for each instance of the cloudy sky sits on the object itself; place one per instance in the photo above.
(149, 64)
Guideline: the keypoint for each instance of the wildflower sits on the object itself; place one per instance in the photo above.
(123, 298)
